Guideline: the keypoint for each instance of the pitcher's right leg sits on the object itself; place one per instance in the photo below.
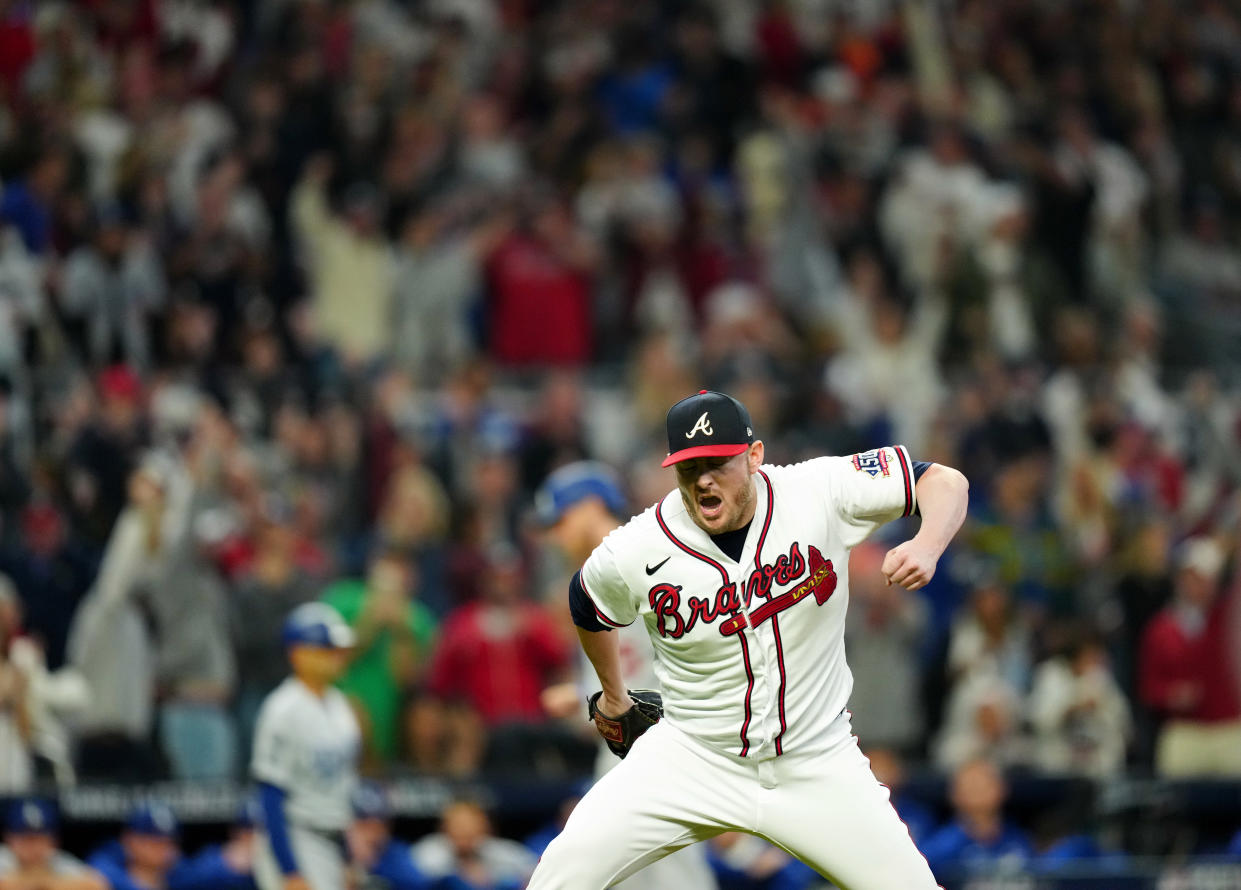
(661, 798)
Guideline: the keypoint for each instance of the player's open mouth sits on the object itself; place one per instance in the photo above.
(710, 505)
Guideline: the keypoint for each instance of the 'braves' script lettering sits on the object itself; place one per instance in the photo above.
(730, 599)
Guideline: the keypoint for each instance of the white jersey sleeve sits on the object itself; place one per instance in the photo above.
(274, 742)
(866, 490)
(604, 583)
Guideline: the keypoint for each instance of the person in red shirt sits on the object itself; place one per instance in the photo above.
(539, 280)
(497, 654)
(1185, 673)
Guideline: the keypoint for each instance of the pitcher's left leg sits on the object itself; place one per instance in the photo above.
(832, 813)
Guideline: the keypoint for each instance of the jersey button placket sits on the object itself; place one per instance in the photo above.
(761, 733)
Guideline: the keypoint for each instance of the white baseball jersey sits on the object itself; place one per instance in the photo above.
(308, 746)
(750, 654)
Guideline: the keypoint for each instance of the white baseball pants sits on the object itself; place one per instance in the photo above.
(686, 869)
(320, 861)
(826, 809)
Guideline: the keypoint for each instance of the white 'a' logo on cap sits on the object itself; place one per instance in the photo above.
(700, 424)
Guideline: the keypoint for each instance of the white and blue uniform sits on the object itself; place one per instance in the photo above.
(306, 750)
(750, 655)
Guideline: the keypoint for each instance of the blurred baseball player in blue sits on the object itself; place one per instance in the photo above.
(579, 504)
(306, 746)
(30, 858)
(227, 866)
(373, 852)
(147, 856)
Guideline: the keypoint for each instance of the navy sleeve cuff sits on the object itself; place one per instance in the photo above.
(581, 607)
(920, 467)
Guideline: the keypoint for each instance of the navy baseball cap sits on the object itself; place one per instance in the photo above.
(707, 424)
(154, 818)
(319, 625)
(370, 802)
(573, 483)
(31, 816)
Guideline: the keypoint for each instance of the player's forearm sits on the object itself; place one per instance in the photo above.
(603, 650)
(271, 798)
(943, 495)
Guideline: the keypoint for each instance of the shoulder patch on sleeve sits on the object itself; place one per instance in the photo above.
(874, 462)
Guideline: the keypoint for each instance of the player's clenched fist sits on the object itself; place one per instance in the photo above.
(909, 565)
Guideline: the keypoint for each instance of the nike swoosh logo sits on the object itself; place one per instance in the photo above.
(652, 570)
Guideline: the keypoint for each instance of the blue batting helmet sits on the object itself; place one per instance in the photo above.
(316, 624)
(573, 483)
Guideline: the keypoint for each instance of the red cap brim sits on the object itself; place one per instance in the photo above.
(704, 451)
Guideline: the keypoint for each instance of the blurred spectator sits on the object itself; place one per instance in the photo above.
(1066, 842)
(745, 862)
(347, 261)
(498, 654)
(113, 641)
(113, 286)
(372, 849)
(147, 854)
(102, 453)
(890, 770)
(16, 710)
(1187, 675)
(983, 718)
(227, 866)
(465, 849)
(438, 280)
(30, 858)
(991, 638)
(884, 629)
(979, 837)
(52, 699)
(885, 373)
(557, 433)
(1119, 190)
(1079, 715)
(196, 669)
(395, 634)
(52, 571)
(540, 284)
(27, 204)
(494, 658)
(260, 601)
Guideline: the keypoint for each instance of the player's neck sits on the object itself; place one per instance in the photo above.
(147, 877)
(318, 687)
(600, 527)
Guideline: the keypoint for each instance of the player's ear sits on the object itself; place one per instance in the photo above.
(755, 456)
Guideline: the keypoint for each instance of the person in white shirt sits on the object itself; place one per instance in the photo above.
(306, 747)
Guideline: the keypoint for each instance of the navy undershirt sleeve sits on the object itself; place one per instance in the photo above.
(581, 608)
(271, 798)
(920, 467)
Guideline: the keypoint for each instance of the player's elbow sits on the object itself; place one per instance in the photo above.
(948, 479)
(959, 483)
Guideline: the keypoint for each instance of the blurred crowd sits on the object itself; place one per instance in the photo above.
(303, 298)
